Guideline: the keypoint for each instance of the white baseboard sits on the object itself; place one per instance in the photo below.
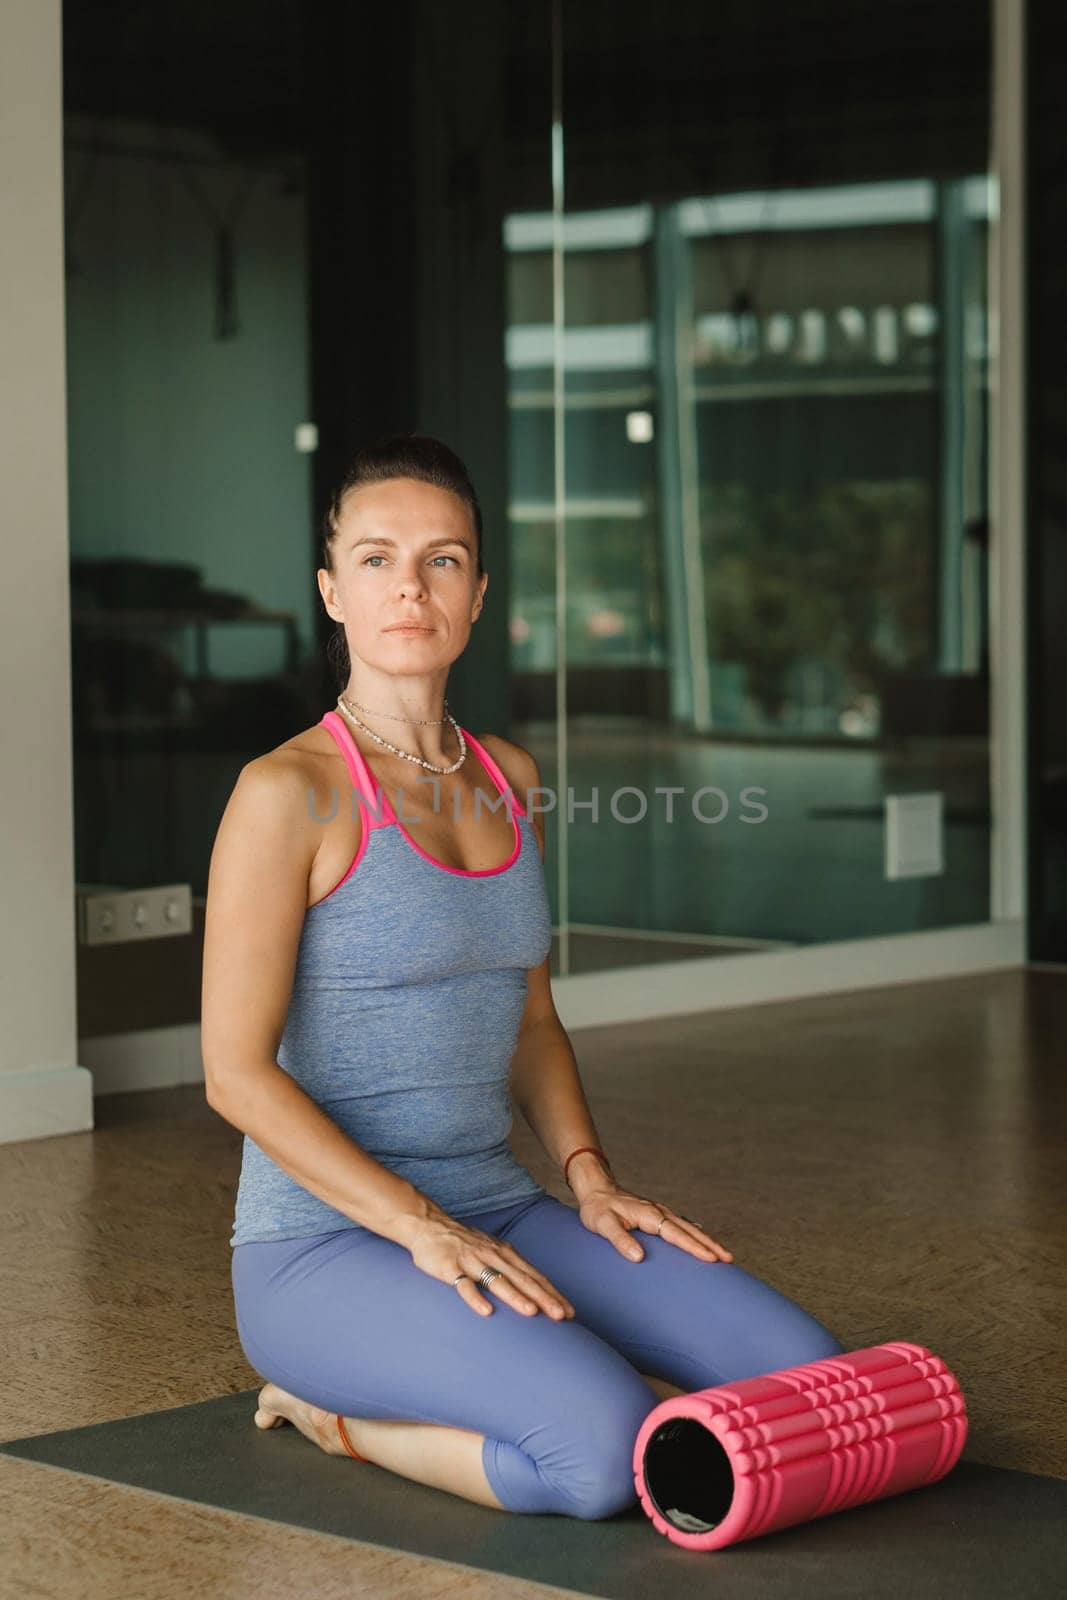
(44, 1101)
(147, 1058)
(38, 1104)
(635, 994)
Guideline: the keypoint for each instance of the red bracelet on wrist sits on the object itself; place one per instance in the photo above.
(582, 1149)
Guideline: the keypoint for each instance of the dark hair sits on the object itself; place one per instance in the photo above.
(398, 455)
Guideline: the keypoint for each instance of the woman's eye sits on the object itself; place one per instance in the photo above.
(367, 561)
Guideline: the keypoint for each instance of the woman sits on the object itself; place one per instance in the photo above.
(411, 1294)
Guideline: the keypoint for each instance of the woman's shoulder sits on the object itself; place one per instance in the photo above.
(277, 804)
(514, 761)
(307, 757)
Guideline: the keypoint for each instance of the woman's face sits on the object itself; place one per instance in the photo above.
(404, 551)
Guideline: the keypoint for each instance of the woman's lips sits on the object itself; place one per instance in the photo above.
(408, 627)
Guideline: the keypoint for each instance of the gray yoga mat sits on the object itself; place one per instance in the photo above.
(982, 1531)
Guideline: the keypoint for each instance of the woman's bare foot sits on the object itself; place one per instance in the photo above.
(277, 1406)
(428, 1452)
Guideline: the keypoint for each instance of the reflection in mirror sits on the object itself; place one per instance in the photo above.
(754, 322)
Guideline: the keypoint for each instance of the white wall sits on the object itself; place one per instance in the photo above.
(42, 1089)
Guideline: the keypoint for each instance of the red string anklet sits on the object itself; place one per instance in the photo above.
(346, 1441)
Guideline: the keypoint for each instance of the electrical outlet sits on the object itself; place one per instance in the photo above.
(117, 916)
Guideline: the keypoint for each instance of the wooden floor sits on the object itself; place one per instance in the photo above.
(893, 1160)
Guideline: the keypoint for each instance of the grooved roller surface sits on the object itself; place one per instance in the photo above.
(732, 1462)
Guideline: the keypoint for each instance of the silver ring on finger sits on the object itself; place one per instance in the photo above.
(486, 1276)
(662, 1220)
(456, 1279)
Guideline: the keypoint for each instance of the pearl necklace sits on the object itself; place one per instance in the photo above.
(343, 707)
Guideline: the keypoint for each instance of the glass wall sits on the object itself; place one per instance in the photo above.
(187, 361)
(699, 296)
(1046, 408)
(747, 369)
(192, 576)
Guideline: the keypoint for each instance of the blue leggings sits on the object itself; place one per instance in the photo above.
(345, 1320)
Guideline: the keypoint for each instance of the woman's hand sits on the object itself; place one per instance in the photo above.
(612, 1211)
(443, 1246)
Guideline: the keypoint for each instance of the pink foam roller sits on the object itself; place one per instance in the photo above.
(721, 1465)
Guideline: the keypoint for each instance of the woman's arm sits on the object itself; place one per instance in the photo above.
(548, 1091)
(257, 897)
(544, 1080)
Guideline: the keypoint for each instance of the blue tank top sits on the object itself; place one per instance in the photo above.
(408, 993)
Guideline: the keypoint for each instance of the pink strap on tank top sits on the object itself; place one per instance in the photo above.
(376, 803)
(375, 798)
(495, 773)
